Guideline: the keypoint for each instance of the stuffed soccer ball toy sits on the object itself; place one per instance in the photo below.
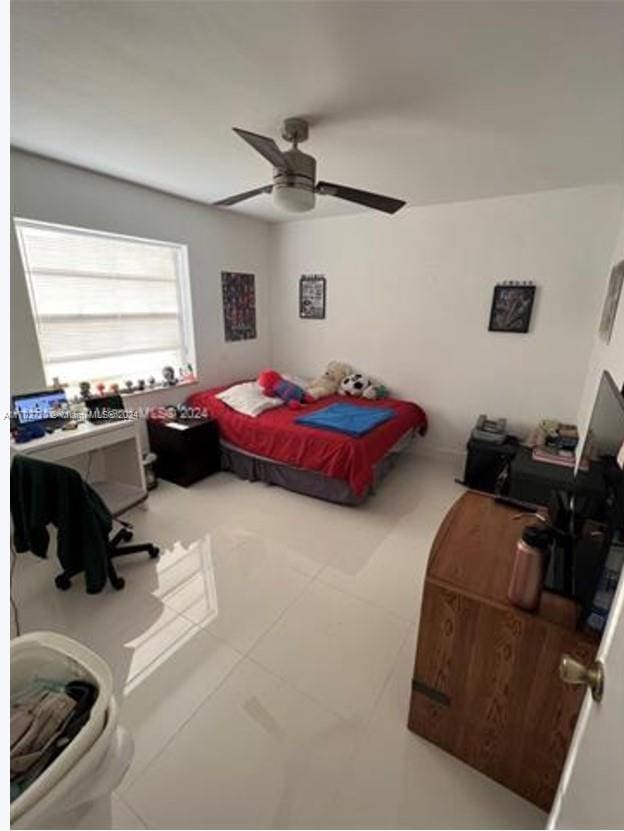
(354, 385)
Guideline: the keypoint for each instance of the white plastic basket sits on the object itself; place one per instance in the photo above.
(48, 655)
(89, 782)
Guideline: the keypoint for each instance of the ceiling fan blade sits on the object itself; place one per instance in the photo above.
(266, 147)
(363, 197)
(240, 197)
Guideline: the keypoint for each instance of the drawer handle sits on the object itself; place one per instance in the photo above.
(435, 695)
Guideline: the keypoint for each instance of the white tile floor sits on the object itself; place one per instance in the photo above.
(264, 662)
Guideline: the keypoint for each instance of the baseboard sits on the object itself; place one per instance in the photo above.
(424, 450)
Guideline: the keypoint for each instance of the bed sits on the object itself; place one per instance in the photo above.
(273, 448)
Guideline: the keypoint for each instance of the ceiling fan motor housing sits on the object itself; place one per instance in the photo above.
(294, 185)
(301, 179)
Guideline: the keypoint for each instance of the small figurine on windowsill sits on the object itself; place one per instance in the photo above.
(186, 374)
(101, 388)
(85, 389)
(129, 387)
(151, 382)
(141, 385)
(169, 376)
(114, 389)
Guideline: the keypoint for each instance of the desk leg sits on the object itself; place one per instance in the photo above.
(123, 463)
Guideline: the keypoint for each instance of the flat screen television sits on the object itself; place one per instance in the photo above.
(605, 433)
(598, 569)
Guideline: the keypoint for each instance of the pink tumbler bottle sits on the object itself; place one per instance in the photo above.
(527, 577)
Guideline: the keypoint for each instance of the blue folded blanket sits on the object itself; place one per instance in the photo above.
(351, 419)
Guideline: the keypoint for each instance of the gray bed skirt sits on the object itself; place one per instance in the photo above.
(309, 482)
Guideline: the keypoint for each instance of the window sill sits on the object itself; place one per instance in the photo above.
(158, 389)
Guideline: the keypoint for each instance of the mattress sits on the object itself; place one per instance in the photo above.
(274, 436)
(308, 482)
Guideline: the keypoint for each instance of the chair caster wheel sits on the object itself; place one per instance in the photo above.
(154, 552)
(127, 536)
(62, 582)
(117, 583)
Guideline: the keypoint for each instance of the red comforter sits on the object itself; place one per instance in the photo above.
(275, 436)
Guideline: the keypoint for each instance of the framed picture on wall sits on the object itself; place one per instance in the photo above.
(312, 290)
(609, 310)
(512, 305)
(239, 305)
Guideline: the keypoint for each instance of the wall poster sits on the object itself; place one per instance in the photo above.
(312, 296)
(239, 305)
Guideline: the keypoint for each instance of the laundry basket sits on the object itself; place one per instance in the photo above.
(86, 789)
(48, 655)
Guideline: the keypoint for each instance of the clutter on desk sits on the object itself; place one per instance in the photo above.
(491, 430)
(167, 413)
(27, 432)
(555, 442)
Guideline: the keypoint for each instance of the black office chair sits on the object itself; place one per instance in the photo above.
(43, 493)
(115, 549)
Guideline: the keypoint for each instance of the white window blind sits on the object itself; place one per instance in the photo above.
(107, 307)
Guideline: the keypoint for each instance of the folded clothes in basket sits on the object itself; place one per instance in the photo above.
(45, 717)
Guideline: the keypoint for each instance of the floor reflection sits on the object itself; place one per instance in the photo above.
(195, 592)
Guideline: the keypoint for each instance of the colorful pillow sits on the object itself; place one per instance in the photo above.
(288, 391)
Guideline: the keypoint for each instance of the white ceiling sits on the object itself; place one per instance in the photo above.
(425, 101)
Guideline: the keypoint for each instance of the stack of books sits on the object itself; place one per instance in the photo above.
(558, 445)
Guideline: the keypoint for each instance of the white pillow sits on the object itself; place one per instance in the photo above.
(248, 399)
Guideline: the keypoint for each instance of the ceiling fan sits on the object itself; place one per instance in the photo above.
(294, 185)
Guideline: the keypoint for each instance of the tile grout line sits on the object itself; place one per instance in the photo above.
(130, 809)
(355, 596)
(321, 704)
(144, 769)
(367, 723)
(298, 595)
(293, 686)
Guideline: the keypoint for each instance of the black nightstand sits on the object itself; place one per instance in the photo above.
(187, 449)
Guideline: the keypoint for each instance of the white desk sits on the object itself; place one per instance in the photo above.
(110, 452)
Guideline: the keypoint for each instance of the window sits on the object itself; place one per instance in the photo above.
(107, 308)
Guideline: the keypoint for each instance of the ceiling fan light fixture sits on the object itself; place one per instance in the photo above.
(294, 176)
(293, 199)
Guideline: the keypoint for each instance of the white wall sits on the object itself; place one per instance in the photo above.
(47, 190)
(605, 356)
(408, 296)
(409, 300)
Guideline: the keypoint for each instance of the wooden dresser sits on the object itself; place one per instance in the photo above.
(486, 685)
